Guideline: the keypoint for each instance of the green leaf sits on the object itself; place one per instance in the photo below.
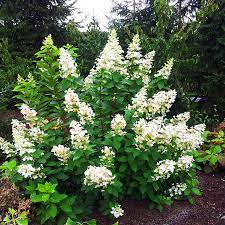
(216, 149)
(70, 222)
(196, 191)
(117, 223)
(36, 198)
(22, 222)
(116, 144)
(66, 208)
(46, 188)
(77, 155)
(122, 159)
(51, 210)
(56, 197)
(91, 222)
(190, 199)
(123, 167)
(133, 166)
(213, 160)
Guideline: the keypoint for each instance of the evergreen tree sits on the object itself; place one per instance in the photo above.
(89, 43)
(26, 22)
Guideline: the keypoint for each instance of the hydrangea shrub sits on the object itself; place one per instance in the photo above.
(92, 141)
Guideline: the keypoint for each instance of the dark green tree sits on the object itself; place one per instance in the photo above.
(209, 45)
(26, 22)
(89, 44)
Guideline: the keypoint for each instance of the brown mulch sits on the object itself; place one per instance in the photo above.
(10, 114)
(208, 209)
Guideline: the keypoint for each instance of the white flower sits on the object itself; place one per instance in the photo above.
(111, 58)
(118, 124)
(28, 113)
(189, 138)
(164, 169)
(48, 40)
(88, 81)
(62, 152)
(98, 176)
(185, 162)
(28, 171)
(85, 112)
(36, 134)
(107, 156)
(133, 52)
(161, 102)
(79, 136)
(21, 142)
(67, 65)
(186, 139)
(181, 118)
(72, 101)
(6, 147)
(147, 61)
(117, 211)
(73, 104)
(166, 70)
(177, 189)
(107, 152)
(139, 102)
(147, 132)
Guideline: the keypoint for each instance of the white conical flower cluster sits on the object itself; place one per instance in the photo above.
(88, 81)
(6, 147)
(36, 134)
(72, 101)
(107, 156)
(158, 132)
(147, 133)
(62, 152)
(22, 143)
(29, 114)
(48, 40)
(181, 118)
(118, 124)
(134, 50)
(166, 70)
(165, 168)
(98, 176)
(139, 102)
(79, 136)
(111, 58)
(147, 61)
(28, 171)
(73, 104)
(67, 64)
(161, 102)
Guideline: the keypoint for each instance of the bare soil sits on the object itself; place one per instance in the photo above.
(208, 209)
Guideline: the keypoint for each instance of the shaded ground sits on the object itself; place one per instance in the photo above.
(9, 114)
(208, 209)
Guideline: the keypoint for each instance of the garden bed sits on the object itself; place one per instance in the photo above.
(208, 209)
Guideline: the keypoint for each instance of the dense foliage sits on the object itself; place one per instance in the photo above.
(94, 141)
(212, 154)
(26, 23)
(10, 67)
